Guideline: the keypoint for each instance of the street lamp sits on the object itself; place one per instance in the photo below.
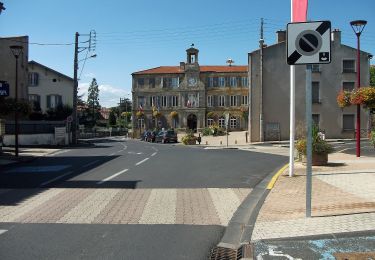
(16, 50)
(358, 26)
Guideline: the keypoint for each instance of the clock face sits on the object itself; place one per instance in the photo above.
(192, 81)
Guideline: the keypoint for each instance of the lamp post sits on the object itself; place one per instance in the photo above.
(358, 26)
(16, 51)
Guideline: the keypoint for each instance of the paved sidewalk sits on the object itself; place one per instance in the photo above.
(343, 199)
(24, 154)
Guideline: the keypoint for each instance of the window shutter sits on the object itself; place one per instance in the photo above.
(214, 99)
(238, 101)
(239, 82)
(36, 79)
(216, 81)
(227, 81)
(226, 100)
(48, 101)
(59, 100)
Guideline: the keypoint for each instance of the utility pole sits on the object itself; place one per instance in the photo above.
(75, 91)
(261, 45)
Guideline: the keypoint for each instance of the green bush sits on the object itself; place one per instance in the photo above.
(188, 138)
(372, 137)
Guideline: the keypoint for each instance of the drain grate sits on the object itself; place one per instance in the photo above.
(223, 253)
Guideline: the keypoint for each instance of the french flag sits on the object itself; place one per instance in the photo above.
(299, 10)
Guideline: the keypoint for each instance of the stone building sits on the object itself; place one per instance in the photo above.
(198, 96)
(270, 91)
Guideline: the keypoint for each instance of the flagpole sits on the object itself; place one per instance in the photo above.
(292, 109)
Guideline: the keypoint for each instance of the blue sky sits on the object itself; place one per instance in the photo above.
(136, 35)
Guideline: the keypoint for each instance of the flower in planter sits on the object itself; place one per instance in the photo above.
(140, 114)
(156, 114)
(319, 146)
(173, 114)
(357, 97)
(343, 98)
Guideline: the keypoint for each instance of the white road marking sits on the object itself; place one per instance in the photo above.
(111, 154)
(2, 231)
(154, 149)
(113, 176)
(138, 163)
(139, 153)
(57, 178)
(59, 152)
(154, 154)
(89, 164)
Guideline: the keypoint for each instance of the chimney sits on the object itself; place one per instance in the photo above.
(182, 66)
(336, 36)
(281, 36)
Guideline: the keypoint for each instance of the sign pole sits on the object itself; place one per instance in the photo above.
(308, 141)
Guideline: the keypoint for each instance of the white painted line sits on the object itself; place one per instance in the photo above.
(154, 149)
(89, 164)
(57, 178)
(59, 152)
(139, 153)
(113, 176)
(2, 231)
(154, 154)
(112, 154)
(138, 163)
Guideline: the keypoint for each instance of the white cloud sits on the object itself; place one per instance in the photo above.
(109, 96)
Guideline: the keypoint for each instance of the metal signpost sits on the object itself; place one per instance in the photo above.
(309, 43)
(226, 124)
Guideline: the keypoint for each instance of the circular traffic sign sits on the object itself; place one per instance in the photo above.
(69, 119)
(308, 42)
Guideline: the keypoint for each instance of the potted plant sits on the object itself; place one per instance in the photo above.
(189, 139)
(320, 148)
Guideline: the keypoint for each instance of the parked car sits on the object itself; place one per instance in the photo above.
(150, 136)
(166, 137)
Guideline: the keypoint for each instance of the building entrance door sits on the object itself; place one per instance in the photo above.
(192, 122)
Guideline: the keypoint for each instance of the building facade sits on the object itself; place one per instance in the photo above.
(269, 77)
(49, 88)
(190, 96)
(8, 65)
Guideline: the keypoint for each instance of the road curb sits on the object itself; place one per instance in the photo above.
(240, 228)
(276, 176)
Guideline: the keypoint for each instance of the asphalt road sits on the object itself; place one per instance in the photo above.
(111, 172)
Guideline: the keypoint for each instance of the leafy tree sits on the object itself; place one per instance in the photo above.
(93, 106)
(112, 118)
(372, 75)
(60, 112)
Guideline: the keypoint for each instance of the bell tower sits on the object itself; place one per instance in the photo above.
(192, 55)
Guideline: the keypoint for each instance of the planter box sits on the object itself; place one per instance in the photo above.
(317, 159)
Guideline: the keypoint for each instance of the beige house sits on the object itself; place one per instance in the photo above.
(48, 87)
(198, 95)
(8, 65)
(270, 91)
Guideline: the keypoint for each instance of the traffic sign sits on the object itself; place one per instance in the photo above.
(69, 119)
(4, 89)
(309, 43)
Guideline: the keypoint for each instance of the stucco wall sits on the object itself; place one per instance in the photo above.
(276, 91)
(8, 65)
(51, 83)
(33, 139)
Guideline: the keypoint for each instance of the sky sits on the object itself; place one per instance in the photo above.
(142, 34)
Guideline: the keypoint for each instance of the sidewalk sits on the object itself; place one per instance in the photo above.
(343, 199)
(24, 154)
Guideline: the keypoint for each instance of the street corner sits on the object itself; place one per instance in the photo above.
(273, 180)
(340, 246)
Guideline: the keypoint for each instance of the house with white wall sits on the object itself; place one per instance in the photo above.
(48, 87)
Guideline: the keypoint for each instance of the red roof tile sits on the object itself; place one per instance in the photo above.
(176, 69)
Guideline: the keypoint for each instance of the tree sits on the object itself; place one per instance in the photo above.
(372, 75)
(112, 118)
(93, 105)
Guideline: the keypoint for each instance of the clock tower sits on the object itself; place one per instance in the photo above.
(192, 67)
